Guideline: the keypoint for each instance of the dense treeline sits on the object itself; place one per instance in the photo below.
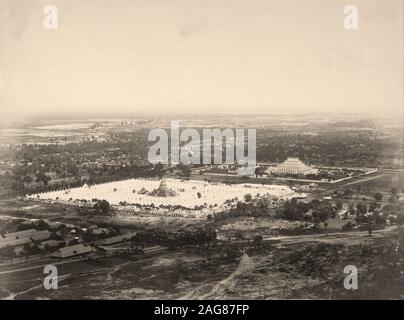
(345, 148)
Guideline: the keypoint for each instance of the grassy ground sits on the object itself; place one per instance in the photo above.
(167, 276)
(295, 268)
(249, 227)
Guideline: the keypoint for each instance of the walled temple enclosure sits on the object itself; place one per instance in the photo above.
(189, 194)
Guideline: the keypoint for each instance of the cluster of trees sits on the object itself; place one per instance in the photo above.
(174, 239)
(163, 206)
(331, 147)
(22, 225)
(68, 163)
(250, 207)
(196, 237)
(7, 253)
(295, 210)
(89, 236)
(102, 206)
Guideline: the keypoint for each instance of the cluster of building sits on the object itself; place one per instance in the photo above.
(60, 244)
(103, 242)
(21, 238)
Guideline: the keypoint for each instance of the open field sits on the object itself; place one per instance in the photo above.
(249, 227)
(168, 275)
(297, 267)
(383, 182)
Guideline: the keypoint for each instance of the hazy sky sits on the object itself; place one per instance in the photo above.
(200, 56)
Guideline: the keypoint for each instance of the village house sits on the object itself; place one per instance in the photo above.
(117, 239)
(100, 231)
(50, 244)
(23, 237)
(72, 251)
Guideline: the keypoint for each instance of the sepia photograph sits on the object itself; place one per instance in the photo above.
(199, 150)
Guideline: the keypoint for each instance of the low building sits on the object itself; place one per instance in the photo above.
(100, 231)
(248, 171)
(343, 214)
(54, 225)
(292, 166)
(117, 239)
(41, 235)
(72, 251)
(20, 234)
(50, 244)
(14, 242)
(21, 238)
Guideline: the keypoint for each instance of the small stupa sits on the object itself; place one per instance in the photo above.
(162, 190)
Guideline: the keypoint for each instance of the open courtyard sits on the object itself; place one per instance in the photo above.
(189, 194)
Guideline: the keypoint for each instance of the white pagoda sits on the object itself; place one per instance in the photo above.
(292, 166)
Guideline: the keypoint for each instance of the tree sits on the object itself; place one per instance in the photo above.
(24, 226)
(185, 171)
(102, 206)
(324, 213)
(87, 236)
(72, 169)
(8, 252)
(370, 229)
(258, 240)
(394, 195)
(247, 197)
(373, 207)
(41, 177)
(347, 226)
(41, 225)
(159, 169)
(393, 198)
(27, 179)
(361, 209)
(238, 235)
(378, 196)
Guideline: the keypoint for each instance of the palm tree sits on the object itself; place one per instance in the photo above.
(8, 252)
(257, 240)
(43, 252)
